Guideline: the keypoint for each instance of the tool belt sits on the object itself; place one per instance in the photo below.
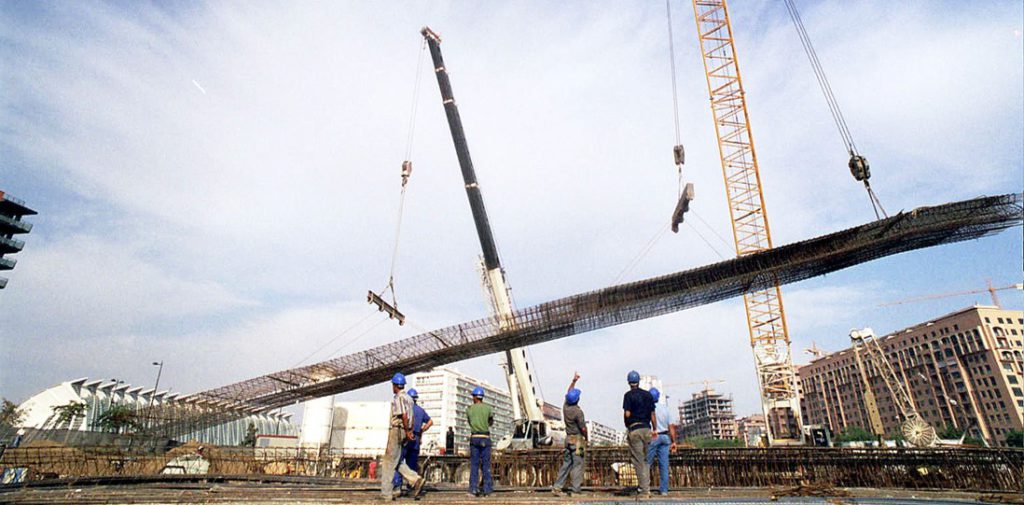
(577, 444)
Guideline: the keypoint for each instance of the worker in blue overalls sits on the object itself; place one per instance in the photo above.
(421, 422)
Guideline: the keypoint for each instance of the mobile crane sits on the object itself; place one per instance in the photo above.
(531, 429)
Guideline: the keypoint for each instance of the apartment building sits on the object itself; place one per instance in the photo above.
(707, 414)
(963, 369)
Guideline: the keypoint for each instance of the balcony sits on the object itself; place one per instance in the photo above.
(10, 245)
(7, 263)
(9, 225)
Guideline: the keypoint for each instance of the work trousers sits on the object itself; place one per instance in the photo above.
(480, 457)
(574, 464)
(659, 448)
(411, 456)
(393, 460)
(639, 440)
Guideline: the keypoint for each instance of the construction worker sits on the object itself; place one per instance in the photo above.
(421, 422)
(399, 434)
(480, 417)
(638, 414)
(664, 440)
(449, 441)
(575, 441)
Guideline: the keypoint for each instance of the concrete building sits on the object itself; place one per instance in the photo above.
(752, 430)
(601, 435)
(963, 369)
(42, 412)
(11, 224)
(446, 393)
(707, 414)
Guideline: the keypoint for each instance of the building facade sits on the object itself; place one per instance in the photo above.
(963, 370)
(445, 394)
(12, 210)
(707, 414)
(752, 430)
(42, 412)
(602, 435)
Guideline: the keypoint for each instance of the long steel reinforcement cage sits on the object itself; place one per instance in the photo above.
(580, 313)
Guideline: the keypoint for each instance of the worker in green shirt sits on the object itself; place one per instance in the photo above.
(481, 417)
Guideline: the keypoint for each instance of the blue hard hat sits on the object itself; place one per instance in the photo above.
(573, 396)
(398, 379)
(633, 377)
(413, 393)
(656, 394)
(478, 392)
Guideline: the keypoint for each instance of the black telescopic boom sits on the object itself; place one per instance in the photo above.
(476, 200)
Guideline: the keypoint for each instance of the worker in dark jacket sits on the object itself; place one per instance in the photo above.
(573, 461)
(638, 414)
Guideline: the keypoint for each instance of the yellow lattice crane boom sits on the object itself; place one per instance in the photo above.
(769, 336)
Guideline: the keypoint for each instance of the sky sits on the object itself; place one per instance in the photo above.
(218, 183)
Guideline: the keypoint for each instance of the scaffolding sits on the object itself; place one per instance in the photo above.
(906, 231)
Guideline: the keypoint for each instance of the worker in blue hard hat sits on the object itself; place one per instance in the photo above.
(421, 422)
(573, 460)
(664, 440)
(399, 434)
(638, 414)
(481, 418)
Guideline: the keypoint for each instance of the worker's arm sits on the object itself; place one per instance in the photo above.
(672, 435)
(654, 424)
(427, 425)
(407, 424)
(575, 377)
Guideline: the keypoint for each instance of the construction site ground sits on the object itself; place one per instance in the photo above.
(304, 490)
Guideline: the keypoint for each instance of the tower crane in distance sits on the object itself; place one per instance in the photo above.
(530, 428)
(766, 319)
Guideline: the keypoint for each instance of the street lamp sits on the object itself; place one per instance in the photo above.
(157, 386)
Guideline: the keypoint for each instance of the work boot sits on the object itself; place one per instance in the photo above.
(557, 492)
(417, 489)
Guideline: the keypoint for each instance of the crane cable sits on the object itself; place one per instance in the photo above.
(858, 163)
(406, 173)
(678, 149)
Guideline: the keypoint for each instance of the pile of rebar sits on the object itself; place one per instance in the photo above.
(920, 228)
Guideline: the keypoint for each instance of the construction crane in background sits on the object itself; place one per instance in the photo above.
(815, 351)
(914, 429)
(531, 429)
(990, 289)
(707, 383)
(769, 336)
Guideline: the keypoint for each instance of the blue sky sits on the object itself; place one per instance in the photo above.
(218, 185)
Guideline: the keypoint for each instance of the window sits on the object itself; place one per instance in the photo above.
(1018, 392)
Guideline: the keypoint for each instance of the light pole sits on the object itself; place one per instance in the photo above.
(157, 385)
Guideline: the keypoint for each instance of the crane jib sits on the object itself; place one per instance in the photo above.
(476, 200)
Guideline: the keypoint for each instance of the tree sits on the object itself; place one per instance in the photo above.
(250, 437)
(712, 443)
(951, 433)
(855, 434)
(118, 419)
(10, 416)
(1015, 438)
(68, 413)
